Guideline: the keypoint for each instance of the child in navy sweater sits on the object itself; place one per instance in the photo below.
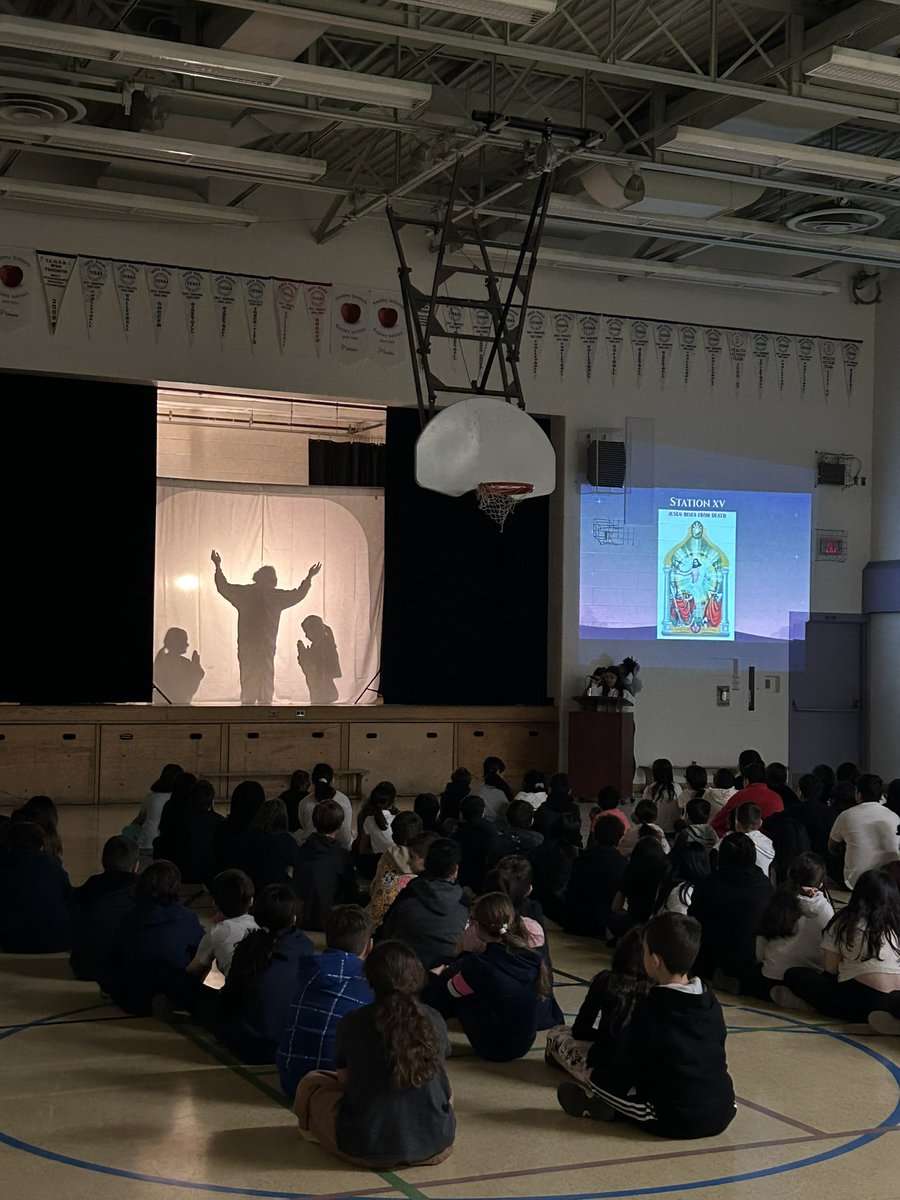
(35, 894)
(101, 903)
(674, 1081)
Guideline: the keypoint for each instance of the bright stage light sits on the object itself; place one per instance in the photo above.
(187, 583)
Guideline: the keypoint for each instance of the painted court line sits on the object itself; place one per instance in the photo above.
(770, 1112)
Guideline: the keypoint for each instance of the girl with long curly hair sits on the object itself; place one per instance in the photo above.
(388, 1102)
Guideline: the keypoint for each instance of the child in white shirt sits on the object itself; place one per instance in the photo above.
(791, 927)
(232, 893)
(748, 819)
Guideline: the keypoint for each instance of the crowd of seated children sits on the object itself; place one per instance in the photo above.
(495, 992)
(756, 791)
(324, 789)
(329, 985)
(672, 1078)
(323, 872)
(790, 929)
(430, 914)
(232, 895)
(397, 864)
(100, 904)
(388, 1102)
(373, 827)
(599, 1035)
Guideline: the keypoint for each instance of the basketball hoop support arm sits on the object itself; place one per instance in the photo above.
(421, 308)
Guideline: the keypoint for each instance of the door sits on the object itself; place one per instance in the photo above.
(827, 693)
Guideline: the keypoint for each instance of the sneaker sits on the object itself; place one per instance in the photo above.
(553, 1062)
(785, 998)
(883, 1022)
(578, 1103)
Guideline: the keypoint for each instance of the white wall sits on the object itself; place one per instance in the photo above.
(716, 439)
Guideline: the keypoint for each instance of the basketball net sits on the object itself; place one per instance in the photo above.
(499, 499)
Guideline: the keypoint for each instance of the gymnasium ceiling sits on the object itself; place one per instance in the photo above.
(617, 76)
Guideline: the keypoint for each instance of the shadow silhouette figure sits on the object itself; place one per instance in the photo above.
(176, 675)
(259, 606)
(319, 660)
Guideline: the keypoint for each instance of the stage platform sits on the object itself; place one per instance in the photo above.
(107, 754)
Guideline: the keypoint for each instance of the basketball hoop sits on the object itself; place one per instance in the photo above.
(499, 499)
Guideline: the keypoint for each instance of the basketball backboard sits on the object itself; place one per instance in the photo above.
(483, 440)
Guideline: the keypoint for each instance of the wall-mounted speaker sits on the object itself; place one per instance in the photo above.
(606, 464)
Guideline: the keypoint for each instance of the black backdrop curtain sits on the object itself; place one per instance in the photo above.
(465, 606)
(80, 520)
(346, 464)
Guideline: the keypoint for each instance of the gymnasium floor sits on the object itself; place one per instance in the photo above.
(94, 1103)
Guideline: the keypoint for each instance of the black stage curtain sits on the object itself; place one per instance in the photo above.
(346, 464)
(81, 512)
(465, 606)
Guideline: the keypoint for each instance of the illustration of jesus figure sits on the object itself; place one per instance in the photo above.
(695, 573)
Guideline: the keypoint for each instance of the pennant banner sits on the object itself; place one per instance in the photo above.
(762, 350)
(805, 351)
(127, 277)
(640, 340)
(687, 340)
(536, 328)
(160, 281)
(195, 295)
(256, 295)
(94, 276)
(713, 340)
(782, 355)
(16, 272)
(56, 271)
(562, 324)
(664, 337)
(850, 355)
(350, 326)
(388, 330)
(828, 359)
(614, 327)
(224, 290)
(483, 329)
(455, 320)
(737, 349)
(588, 335)
(317, 300)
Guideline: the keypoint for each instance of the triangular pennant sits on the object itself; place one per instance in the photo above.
(614, 337)
(805, 355)
(256, 296)
(783, 345)
(762, 352)
(224, 292)
(483, 329)
(160, 281)
(589, 335)
(195, 294)
(640, 341)
(94, 276)
(850, 355)
(687, 340)
(317, 301)
(737, 349)
(562, 324)
(56, 271)
(664, 337)
(828, 359)
(127, 278)
(713, 341)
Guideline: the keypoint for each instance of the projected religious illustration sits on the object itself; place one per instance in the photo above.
(696, 571)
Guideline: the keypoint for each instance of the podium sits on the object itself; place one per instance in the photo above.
(601, 747)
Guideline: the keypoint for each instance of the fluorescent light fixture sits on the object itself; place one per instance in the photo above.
(517, 12)
(220, 160)
(814, 160)
(101, 201)
(643, 268)
(733, 230)
(249, 70)
(856, 68)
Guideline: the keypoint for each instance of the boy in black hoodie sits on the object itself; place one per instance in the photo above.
(680, 1086)
(324, 874)
(430, 913)
(100, 905)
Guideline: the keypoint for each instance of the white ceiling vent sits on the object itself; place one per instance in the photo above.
(19, 108)
(836, 220)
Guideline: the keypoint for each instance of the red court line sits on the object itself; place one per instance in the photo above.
(817, 1136)
(768, 1112)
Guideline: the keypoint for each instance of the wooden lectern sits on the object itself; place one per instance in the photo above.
(601, 747)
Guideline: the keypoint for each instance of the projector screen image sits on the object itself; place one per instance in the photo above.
(693, 566)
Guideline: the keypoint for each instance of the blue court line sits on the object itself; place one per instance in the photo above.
(79, 1021)
(838, 1151)
(51, 1019)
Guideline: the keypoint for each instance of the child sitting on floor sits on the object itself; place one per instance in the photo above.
(600, 1033)
(696, 827)
(790, 931)
(748, 819)
(674, 1081)
(645, 814)
(373, 828)
(323, 875)
(100, 905)
(688, 864)
(35, 893)
(388, 1103)
(395, 867)
(232, 893)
